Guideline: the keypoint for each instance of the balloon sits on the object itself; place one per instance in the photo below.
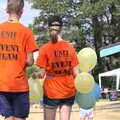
(96, 91)
(84, 82)
(35, 90)
(87, 101)
(87, 58)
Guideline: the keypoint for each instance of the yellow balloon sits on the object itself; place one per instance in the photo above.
(84, 82)
(87, 58)
(35, 90)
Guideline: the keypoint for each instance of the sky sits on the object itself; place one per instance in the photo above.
(27, 17)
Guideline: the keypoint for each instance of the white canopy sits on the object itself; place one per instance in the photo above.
(115, 72)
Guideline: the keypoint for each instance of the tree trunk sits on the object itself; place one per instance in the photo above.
(97, 28)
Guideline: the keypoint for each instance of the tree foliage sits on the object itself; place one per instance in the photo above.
(93, 23)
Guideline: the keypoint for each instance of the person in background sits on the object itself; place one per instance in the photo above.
(87, 101)
(58, 62)
(17, 45)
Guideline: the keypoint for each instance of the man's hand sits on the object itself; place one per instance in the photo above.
(39, 74)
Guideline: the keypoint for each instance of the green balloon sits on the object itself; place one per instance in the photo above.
(35, 90)
(85, 101)
(88, 100)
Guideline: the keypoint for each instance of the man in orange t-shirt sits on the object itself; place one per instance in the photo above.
(59, 61)
(17, 45)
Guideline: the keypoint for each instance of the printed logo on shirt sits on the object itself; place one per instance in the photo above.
(9, 52)
(7, 35)
(62, 67)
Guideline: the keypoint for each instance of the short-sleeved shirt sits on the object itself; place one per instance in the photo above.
(58, 59)
(16, 41)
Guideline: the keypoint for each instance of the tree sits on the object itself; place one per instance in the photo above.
(67, 9)
(105, 16)
(86, 22)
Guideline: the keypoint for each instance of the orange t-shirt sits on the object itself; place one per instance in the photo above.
(16, 41)
(58, 59)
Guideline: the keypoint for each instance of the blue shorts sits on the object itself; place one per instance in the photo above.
(54, 103)
(14, 104)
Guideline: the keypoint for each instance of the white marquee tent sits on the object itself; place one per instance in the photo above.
(115, 72)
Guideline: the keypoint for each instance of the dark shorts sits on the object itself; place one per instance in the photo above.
(54, 103)
(14, 104)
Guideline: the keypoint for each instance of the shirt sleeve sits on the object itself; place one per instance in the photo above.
(31, 45)
(75, 60)
(42, 58)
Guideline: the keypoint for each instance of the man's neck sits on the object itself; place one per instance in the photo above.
(13, 16)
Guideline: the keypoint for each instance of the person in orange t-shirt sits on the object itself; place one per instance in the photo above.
(17, 45)
(59, 64)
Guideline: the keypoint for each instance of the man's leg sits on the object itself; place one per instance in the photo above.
(6, 105)
(9, 118)
(21, 105)
(19, 118)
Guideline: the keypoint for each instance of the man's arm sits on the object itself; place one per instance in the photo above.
(40, 73)
(30, 59)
